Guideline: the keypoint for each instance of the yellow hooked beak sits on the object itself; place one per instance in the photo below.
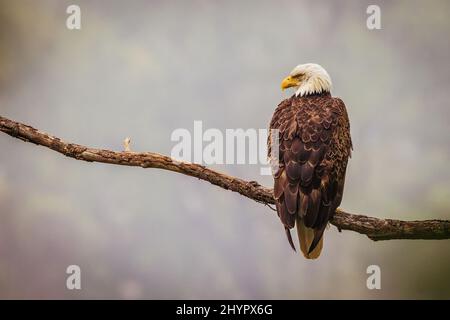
(289, 82)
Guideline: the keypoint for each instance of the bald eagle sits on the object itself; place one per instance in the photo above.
(314, 148)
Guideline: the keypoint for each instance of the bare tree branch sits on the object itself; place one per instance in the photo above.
(374, 228)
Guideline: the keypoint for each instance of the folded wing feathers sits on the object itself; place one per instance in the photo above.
(303, 188)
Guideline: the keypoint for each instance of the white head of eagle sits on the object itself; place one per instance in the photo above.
(308, 78)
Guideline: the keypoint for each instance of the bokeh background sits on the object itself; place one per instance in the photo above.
(144, 68)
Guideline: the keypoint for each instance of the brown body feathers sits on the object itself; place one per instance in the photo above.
(315, 144)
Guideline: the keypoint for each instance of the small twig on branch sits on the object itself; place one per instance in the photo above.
(374, 228)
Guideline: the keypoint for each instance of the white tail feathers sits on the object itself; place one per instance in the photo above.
(306, 237)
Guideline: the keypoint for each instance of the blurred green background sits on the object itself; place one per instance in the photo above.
(144, 68)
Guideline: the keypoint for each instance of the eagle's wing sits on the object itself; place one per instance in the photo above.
(314, 141)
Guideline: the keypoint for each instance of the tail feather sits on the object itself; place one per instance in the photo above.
(289, 237)
(311, 240)
(318, 236)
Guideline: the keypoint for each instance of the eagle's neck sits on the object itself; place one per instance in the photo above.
(313, 95)
(316, 83)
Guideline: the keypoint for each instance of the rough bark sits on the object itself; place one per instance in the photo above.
(374, 228)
